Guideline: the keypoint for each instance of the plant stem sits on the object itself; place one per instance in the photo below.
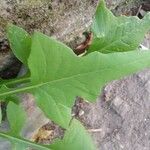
(23, 141)
(19, 80)
(18, 90)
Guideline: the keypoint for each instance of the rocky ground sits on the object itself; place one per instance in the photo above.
(120, 119)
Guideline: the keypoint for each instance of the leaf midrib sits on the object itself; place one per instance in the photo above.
(23, 89)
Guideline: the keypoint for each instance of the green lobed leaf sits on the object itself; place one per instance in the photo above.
(117, 34)
(75, 138)
(16, 117)
(58, 75)
(20, 42)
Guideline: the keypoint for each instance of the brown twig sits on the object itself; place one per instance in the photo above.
(138, 12)
(95, 130)
(84, 45)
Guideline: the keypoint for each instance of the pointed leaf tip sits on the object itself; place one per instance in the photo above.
(102, 3)
(20, 42)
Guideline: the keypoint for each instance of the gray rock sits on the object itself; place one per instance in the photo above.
(5, 55)
(35, 117)
(65, 20)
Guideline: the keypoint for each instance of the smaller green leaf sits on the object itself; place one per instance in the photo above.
(16, 117)
(75, 138)
(117, 34)
(20, 42)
